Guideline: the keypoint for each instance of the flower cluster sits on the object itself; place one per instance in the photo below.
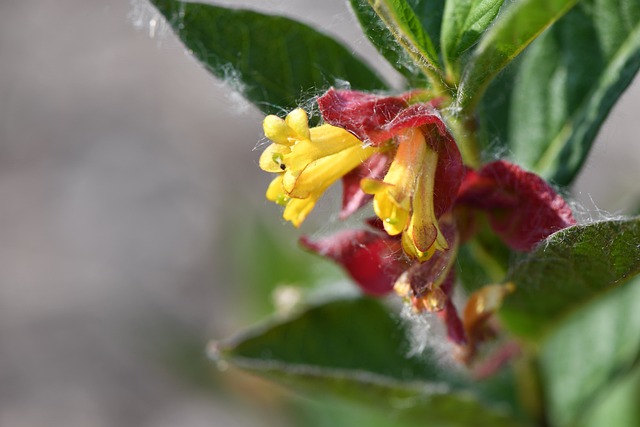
(398, 153)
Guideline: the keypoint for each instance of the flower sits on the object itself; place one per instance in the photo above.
(399, 153)
(307, 161)
(424, 175)
(403, 200)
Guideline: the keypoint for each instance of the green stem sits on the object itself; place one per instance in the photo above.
(464, 132)
(494, 269)
(530, 389)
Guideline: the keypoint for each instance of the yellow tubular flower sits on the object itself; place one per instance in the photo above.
(307, 161)
(403, 200)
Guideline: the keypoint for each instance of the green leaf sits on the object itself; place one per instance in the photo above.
(569, 81)
(429, 12)
(273, 61)
(494, 111)
(569, 269)
(593, 348)
(333, 412)
(358, 349)
(463, 23)
(384, 42)
(406, 29)
(512, 31)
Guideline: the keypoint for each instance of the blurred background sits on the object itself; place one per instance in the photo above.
(132, 222)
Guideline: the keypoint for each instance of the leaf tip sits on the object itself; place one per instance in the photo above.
(217, 353)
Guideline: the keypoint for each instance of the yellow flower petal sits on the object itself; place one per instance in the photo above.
(307, 161)
(297, 209)
(406, 167)
(326, 140)
(423, 235)
(392, 197)
(276, 130)
(272, 158)
(275, 193)
(394, 218)
(373, 186)
(298, 124)
(317, 176)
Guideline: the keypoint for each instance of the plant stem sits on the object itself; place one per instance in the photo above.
(530, 389)
(464, 132)
(494, 269)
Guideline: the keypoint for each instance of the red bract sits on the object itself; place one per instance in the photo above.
(353, 198)
(522, 208)
(373, 260)
(362, 114)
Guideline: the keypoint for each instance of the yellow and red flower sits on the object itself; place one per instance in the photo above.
(400, 154)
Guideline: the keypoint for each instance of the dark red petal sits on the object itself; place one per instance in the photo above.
(522, 208)
(360, 113)
(353, 198)
(373, 260)
(449, 172)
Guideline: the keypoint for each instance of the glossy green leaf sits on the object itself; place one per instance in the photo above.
(569, 81)
(595, 346)
(428, 12)
(385, 43)
(463, 23)
(567, 270)
(273, 61)
(512, 31)
(494, 110)
(358, 349)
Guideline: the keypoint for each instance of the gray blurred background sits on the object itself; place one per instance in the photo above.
(125, 171)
